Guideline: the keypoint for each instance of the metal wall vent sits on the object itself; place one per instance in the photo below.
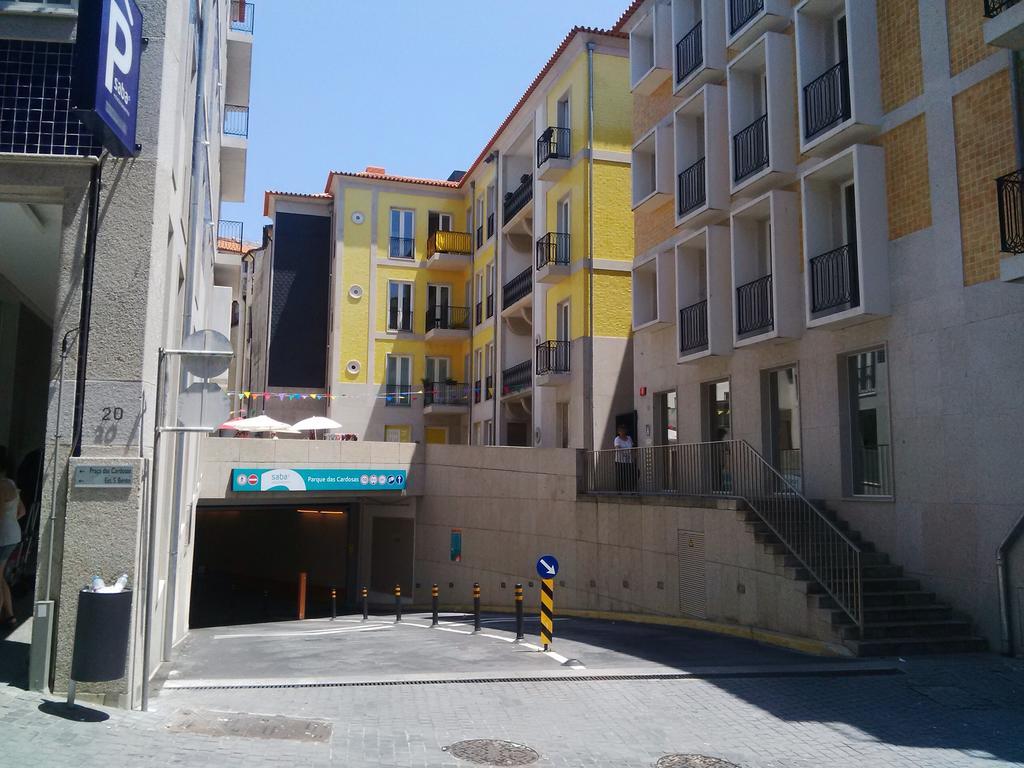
(693, 599)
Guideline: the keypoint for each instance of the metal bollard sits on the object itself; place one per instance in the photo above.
(519, 612)
(366, 604)
(334, 603)
(398, 602)
(433, 599)
(476, 607)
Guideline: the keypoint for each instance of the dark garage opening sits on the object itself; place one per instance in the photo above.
(248, 560)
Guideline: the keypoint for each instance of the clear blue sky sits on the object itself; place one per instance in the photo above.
(412, 85)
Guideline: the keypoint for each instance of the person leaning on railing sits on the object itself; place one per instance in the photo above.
(625, 471)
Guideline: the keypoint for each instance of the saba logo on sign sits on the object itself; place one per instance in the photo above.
(105, 82)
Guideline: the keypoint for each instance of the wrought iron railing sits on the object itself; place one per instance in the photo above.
(827, 100)
(553, 144)
(402, 248)
(229, 236)
(692, 188)
(1010, 191)
(994, 7)
(449, 242)
(734, 469)
(516, 288)
(236, 120)
(741, 12)
(754, 311)
(552, 249)
(750, 149)
(689, 53)
(242, 16)
(448, 318)
(445, 393)
(398, 395)
(553, 357)
(516, 200)
(834, 279)
(693, 328)
(517, 378)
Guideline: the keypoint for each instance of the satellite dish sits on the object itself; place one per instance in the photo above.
(207, 366)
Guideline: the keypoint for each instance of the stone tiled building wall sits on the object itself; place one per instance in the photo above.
(899, 49)
(966, 40)
(648, 111)
(983, 123)
(654, 226)
(906, 177)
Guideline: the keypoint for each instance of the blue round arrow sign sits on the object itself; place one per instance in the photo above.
(547, 566)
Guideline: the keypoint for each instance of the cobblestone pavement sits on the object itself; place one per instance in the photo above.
(963, 711)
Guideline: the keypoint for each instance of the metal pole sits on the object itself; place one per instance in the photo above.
(433, 600)
(398, 603)
(366, 605)
(334, 603)
(147, 628)
(56, 449)
(519, 613)
(302, 595)
(476, 607)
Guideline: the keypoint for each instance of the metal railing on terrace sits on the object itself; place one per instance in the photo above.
(553, 357)
(750, 149)
(754, 307)
(449, 242)
(517, 378)
(827, 100)
(692, 188)
(398, 395)
(236, 120)
(834, 279)
(229, 236)
(445, 393)
(689, 52)
(242, 16)
(693, 328)
(516, 200)
(448, 318)
(401, 247)
(1010, 191)
(733, 469)
(741, 12)
(994, 7)
(553, 144)
(516, 288)
(553, 248)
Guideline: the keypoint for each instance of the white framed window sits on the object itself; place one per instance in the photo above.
(492, 208)
(438, 369)
(480, 221)
(491, 282)
(398, 380)
(403, 234)
(438, 222)
(400, 309)
(43, 6)
(439, 302)
(563, 112)
(563, 316)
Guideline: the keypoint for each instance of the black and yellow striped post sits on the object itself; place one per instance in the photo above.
(366, 603)
(334, 603)
(519, 612)
(434, 593)
(476, 607)
(547, 611)
(398, 602)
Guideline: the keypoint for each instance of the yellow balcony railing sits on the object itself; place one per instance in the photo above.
(449, 242)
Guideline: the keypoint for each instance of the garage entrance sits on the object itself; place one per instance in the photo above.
(248, 562)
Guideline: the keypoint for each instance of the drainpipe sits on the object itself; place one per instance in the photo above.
(497, 312)
(1003, 573)
(588, 383)
(472, 306)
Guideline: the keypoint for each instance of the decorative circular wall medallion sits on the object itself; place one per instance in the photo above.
(358, 217)
(356, 292)
(353, 367)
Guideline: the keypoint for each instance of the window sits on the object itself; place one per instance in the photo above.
(479, 222)
(477, 371)
(469, 219)
(489, 372)
(399, 306)
(489, 432)
(869, 425)
(492, 207)
(781, 397)
(718, 410)
(398, 381)
(479, 298)
(438, 222)
(403, 234)
(40, 5)
(439, 307)
(397, 433)
(563, 313)
(563, 220)
(438, 370)
(562, 112)
(491, 279)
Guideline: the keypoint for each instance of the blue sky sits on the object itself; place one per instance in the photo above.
(416, 86)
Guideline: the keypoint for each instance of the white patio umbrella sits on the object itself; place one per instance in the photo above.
(261, 423)
(316, 424)
(230, 424)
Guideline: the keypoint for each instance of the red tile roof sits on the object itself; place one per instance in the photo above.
(269, 192)
(624, 18)
(391, 177)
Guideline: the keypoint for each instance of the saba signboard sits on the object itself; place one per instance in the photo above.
(105, 83)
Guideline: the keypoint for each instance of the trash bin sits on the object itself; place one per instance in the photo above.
(102, 630)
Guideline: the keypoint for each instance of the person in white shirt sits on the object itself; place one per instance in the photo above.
(625, 469)
(11, 510)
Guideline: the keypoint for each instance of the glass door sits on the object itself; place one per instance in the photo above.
(782, 424)
(439, 303)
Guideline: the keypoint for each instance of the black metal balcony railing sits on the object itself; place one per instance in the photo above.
(448, 318)
(489, 387)
(994, 7)
(834, 279)
(399, 319)
(449, 242)
(402, 248)
(516, 288)
(750, 149)
(515, 201)
(236, 120)
(242, 16)
(689, 53)
(553, 249)
(553, 357)
(490, 225)
(827, 100)
(477, 387)
(754, 312)
(398, 395)
(553, 144)
(741, 12)
(692, 188)
(693, 328)
(516, 378)
(229, 236)
(490, 305)
(479, 312)
(1010, 191)
(445, 393)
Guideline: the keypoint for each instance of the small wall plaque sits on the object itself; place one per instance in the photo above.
(104, 476)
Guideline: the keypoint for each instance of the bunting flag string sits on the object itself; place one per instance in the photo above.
(245, 395)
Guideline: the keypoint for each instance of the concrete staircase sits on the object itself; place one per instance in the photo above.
(900, 618)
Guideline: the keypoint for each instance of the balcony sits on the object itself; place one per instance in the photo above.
(553, 363)
(397, 395)
(704, 295)
(229, 236)
(692, 194)
(517, 380)
(449, 250)
(754, 312)
(234, 149)
(693, 328)
(835, 285)
(689, 53)
(1010, 193)
(750, 149)
(701, 130)
(749, 19)
(447, 323)
(698, 27)
(654, 281)
(242, 17)
(517, 200)
(236, 120)
(652, 169)
(238, 76)
(827, 100)
(444, 397)
(1005, 25)
(516, 290)
(553, 257)
(554, 153)
(650, 49)
(402, 248)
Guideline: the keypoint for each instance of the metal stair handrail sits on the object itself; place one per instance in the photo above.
(734, 469)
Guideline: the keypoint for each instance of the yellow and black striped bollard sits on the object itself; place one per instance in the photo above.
(433, 599)
(334, 603)
(366, 603)
(398, 602)
(476, 607)
(519, 612)
(547, 612)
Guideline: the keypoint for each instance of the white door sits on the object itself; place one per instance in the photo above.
(438, 302)
(438, 369)
(562, 321)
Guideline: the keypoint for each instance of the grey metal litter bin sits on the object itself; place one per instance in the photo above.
(102, 630)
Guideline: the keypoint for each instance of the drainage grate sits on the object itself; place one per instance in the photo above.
(493, 752)
(249, 726)
(693, 761)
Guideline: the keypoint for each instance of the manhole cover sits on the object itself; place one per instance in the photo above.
(693, 761)
(493, 752)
